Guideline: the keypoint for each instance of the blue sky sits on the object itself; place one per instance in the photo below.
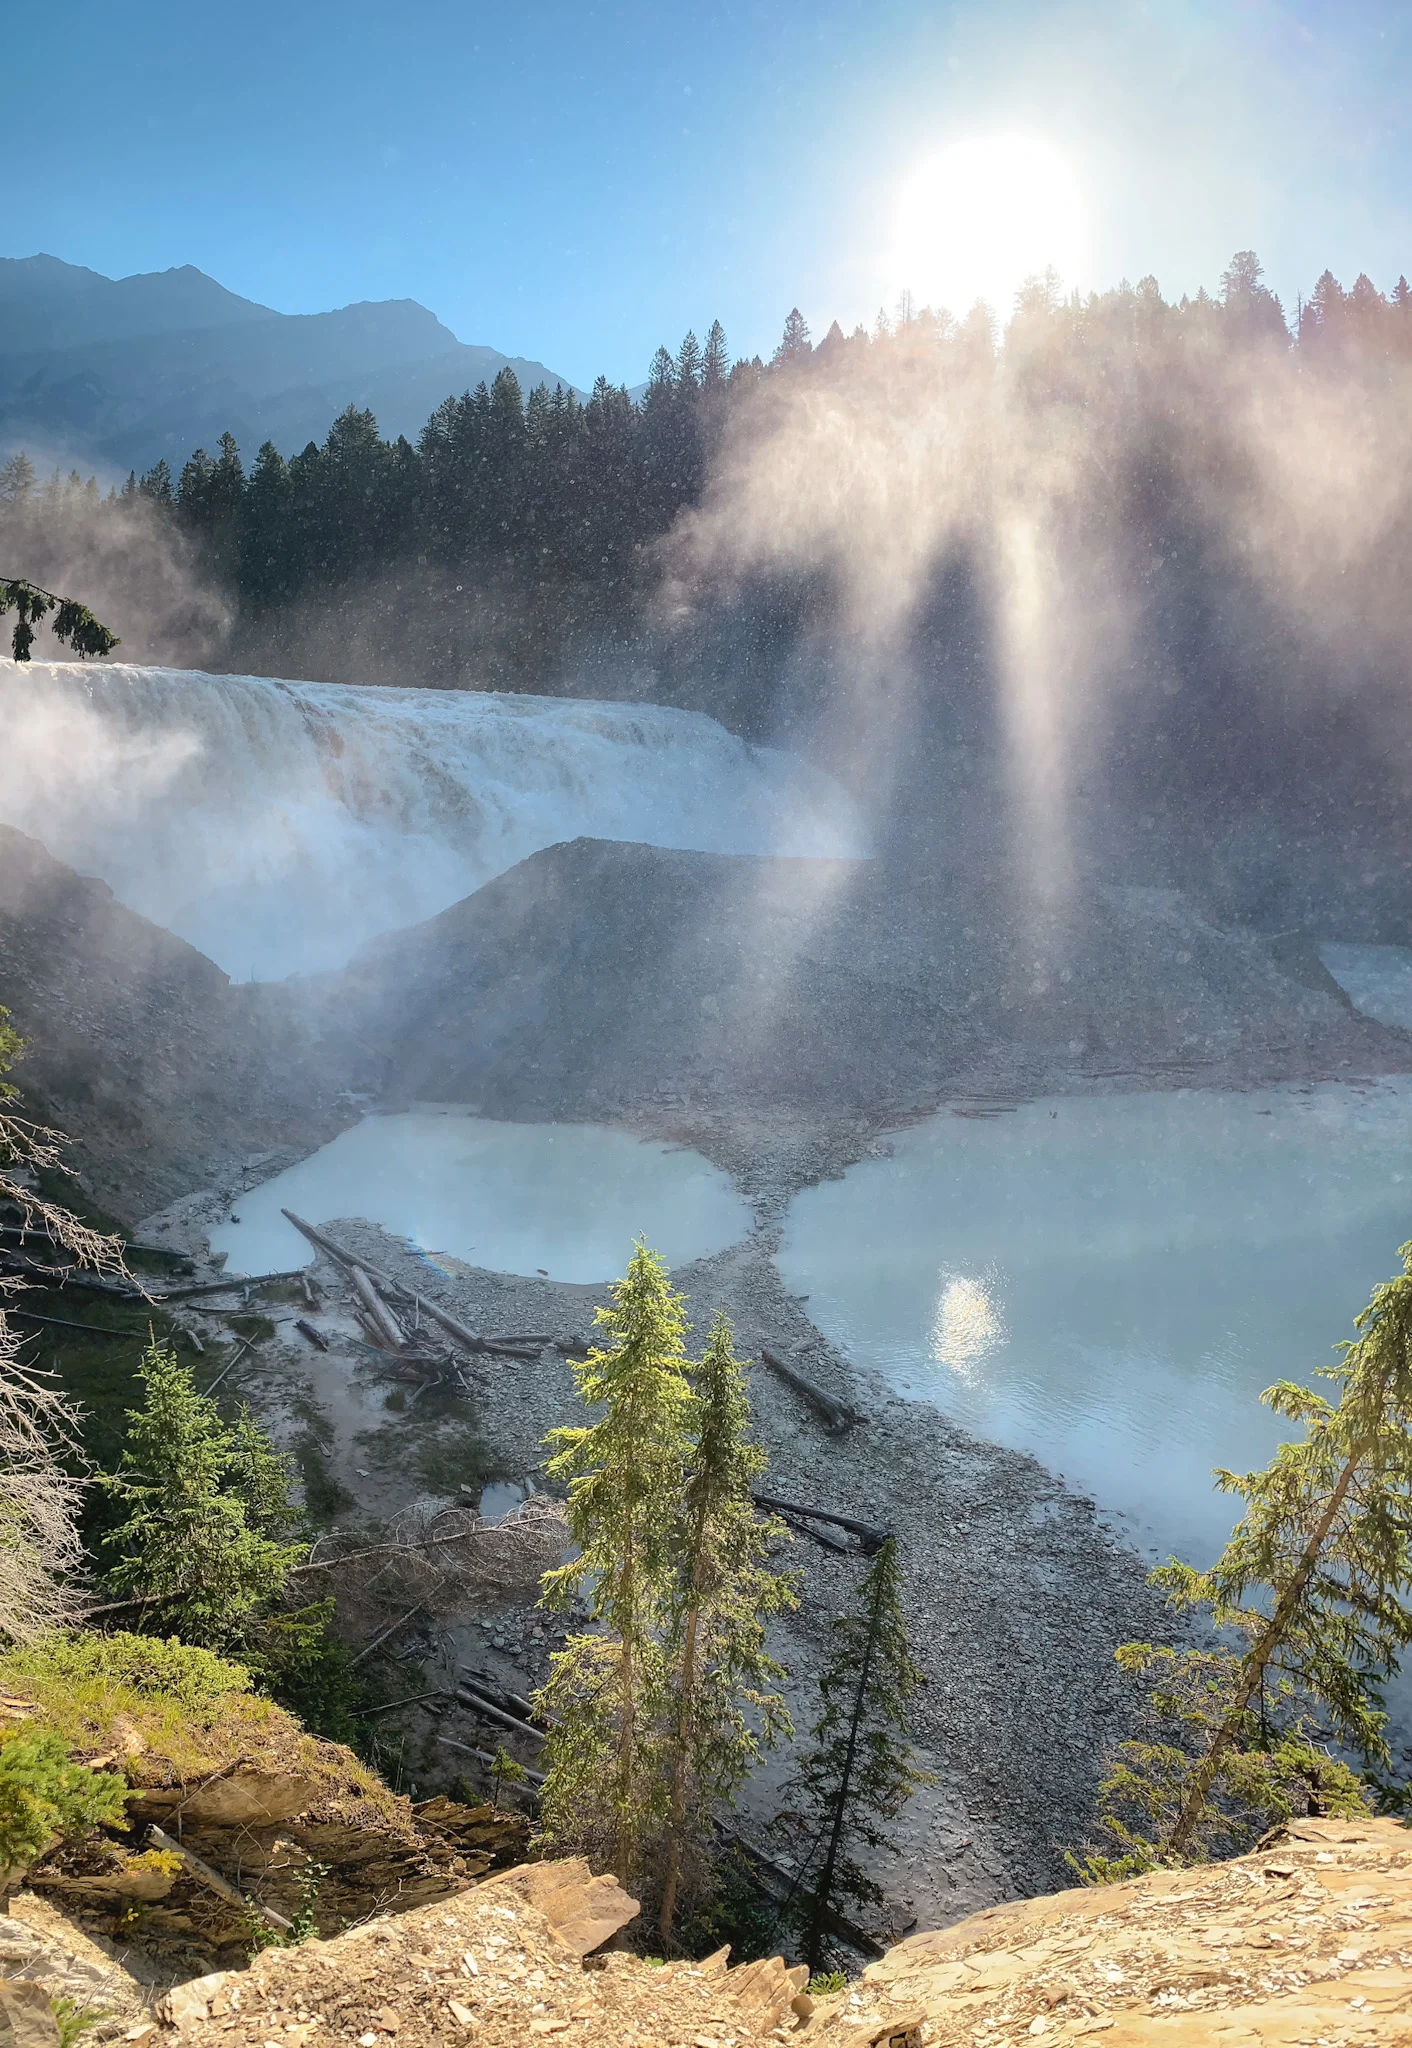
(578, 183)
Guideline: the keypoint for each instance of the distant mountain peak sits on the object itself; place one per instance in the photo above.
(117, 372)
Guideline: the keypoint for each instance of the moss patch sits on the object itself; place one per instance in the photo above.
(176, 1712)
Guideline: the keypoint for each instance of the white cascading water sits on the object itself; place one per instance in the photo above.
(277, 826)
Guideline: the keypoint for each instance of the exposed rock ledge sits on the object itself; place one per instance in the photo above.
(1309, 1940)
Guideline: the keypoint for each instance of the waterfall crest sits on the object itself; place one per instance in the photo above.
(277, 825)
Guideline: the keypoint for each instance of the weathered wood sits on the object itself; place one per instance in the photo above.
(317, 1238)
(245, 1344)
(71, 1276)
(469, 1696)
(871, 1539)
(386, 1282)
(411, 1699)
(836, 1415)
(24, 1233)
(316, 1337)
(384, 1635)
(24, 1315)
(485, 1757)
(214, 1882)
(377, 1308)
(482, 1682)
(225, 1286)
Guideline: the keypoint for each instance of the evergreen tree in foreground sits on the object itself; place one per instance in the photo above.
(606, 1694)
(727, 1593)
(210, 1535)
(860, 1772)
(207, 1519)
(1314, 1582)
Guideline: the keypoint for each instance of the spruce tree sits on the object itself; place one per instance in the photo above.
(606, 1692)
(861, 1771)
(688, 365)
(715, 364)
(794, 344)
(17, 479)
(1314, 1582)
(722, 1676)
(205, 1513)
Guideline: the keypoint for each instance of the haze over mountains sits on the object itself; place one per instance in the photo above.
(115, 373)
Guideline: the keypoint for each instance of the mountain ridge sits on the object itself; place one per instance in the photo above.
(119, 373)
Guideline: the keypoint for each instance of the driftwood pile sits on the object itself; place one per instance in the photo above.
(396, 1317)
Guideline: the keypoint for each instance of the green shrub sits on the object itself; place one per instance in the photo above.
(44, 1794)
(185, 1706)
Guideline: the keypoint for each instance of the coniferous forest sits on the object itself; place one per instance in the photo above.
(748, 538)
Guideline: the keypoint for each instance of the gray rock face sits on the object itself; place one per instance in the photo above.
(39, 1966)
(599, 977)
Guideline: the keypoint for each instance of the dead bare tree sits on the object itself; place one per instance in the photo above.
(40, 1551)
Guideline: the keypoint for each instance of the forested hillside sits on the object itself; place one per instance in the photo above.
(1171, 532)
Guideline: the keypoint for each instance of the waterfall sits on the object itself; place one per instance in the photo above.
(277, 826)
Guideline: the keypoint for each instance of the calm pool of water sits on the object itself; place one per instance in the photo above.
(1109, 1283)
(562, 1199)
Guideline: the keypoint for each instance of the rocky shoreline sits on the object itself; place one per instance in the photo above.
(1018, 1589)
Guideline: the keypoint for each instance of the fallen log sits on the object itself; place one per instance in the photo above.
(388, 1285)
(836, 1415)
(411, 1699)
(24, 1233)
(224, 1285)
(377, 1308)
(384, 1635)
(485, 1757)
(24, 1315)
(466, 1696)
(245, 1344)
(71, 1276)
(482, 1682)
(870, 1539)
(214, 1882)
(315, 1336)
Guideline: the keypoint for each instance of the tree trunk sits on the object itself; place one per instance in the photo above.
(622, 1859)
(677, 1810)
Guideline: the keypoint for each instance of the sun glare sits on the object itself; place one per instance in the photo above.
(977, 219)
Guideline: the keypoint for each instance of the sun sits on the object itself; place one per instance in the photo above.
(979, 217)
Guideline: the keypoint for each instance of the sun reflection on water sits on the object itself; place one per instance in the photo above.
(969, 1325)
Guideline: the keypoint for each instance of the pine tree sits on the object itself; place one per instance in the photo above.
(1315, 1581)
(201, 1528)
(860, 1772)
(715, 362)
(17, 479)
(720, 1666)
(794, 344)
(156, 483)
(688, 365)
(606, 1692)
